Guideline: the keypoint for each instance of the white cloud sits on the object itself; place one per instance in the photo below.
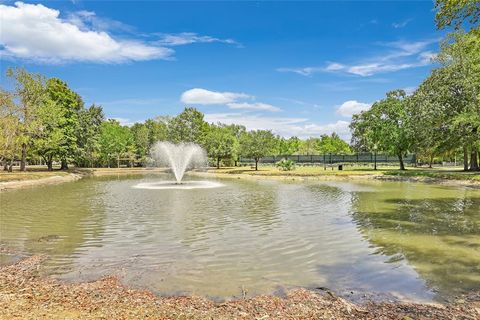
(253, 106)
(333, 66)
(402, 24)
(184, 38)
(302, 71)
(286, 127)
(401, 55)
(351, 107)
(125, 121)
(36, 32)
(203, 96)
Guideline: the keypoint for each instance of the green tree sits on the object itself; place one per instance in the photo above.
(221, 143)
(88, 134)
(157, 130)
(309, 146)
(30, 94)
(386, 125)
(447, 109)
(9, 130)
(333, 144)
(188, 126)
(50, 138)
(257, 144)
(140, 138)
(115, 141)
(453, 13)
(289, 146)
(72, 104)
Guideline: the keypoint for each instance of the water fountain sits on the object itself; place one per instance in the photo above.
(179, 158)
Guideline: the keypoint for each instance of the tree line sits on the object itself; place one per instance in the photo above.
(43, 120)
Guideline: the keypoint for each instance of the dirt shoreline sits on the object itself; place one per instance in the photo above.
(26, 295)
(22, 184)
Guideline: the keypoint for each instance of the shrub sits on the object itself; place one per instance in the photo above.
(285, 165)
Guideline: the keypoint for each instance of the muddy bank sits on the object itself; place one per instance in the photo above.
(25, 295)
(21, 184)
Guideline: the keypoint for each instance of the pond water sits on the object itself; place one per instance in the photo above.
(410, 240)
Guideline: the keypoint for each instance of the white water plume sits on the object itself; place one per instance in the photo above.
(179, 157)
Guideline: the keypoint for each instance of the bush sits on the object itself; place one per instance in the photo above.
(285, 165)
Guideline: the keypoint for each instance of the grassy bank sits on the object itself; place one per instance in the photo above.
(317, 171)
(26, 295)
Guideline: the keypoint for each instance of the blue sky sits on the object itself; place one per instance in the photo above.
(299, 68)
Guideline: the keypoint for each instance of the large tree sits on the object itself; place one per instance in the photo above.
(220, 143)
(447, 108)
(386, 125)
(50, 138)
(29, 95)
(115, 141)
(72, 104)
(188, 126)
(257, 144)
(88, 134)
(9, 130)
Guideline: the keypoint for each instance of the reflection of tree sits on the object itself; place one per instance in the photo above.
(440, 237)
(56, 220)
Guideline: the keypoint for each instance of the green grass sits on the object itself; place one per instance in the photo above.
(438, 173)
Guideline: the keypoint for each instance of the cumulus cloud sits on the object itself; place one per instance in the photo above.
(178, 39)
(351, 107)
(231, 99)
(253, 106)
(203, 96)
(36, 32)
(283, 126)
(401, 55)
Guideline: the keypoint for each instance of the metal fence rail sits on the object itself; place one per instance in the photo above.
(335, 158)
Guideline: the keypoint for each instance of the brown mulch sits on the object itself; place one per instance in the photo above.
(25, 295)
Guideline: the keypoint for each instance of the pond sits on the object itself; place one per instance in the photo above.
(409, 240)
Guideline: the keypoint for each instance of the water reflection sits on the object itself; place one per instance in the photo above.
(437, 231)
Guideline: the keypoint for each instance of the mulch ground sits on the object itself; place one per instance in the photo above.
(26, 295)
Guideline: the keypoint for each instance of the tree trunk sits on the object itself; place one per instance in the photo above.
(402, 165)
(10, 167)
(118, 161)
(465, 158)
(431, 162)
(474, 161)
(5, 165)
(64, 165)
(23, 160)
(49, 164)
(256, 164)
(218, 163)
